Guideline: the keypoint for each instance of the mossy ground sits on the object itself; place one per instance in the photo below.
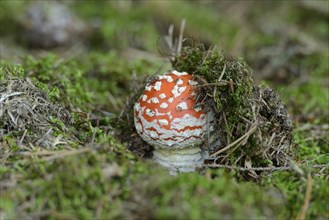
(92, 174)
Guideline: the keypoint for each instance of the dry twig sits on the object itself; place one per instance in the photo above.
(261, 168)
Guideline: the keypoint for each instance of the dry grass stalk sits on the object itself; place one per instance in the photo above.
(237, 141)
(308, 195)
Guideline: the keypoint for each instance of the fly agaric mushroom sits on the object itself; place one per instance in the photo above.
(168, 117)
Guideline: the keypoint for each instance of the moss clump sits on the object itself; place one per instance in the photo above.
(253, 126)
(228, 79)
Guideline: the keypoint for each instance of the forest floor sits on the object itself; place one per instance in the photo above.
(61, 100)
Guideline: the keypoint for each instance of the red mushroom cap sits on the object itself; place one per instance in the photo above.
(166, 115)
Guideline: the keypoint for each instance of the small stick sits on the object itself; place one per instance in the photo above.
(222, 74)
(5, 96)
(238, 145)
(213, 84)
(261, 168)
(231, 85)
(180, 40)
(23, 136)
(228, 140)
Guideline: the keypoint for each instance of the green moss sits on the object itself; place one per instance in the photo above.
(192, 196)
(210, 65)
(313, 151)
(69, 186)
(15, 70)
(83, 187)
(309, 98)
(293, 188)
(66, 81)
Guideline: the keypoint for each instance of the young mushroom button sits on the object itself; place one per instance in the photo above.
(168, 118)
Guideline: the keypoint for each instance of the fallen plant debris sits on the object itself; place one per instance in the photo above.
(27, 114)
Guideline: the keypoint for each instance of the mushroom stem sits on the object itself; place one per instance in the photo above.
(180, 160)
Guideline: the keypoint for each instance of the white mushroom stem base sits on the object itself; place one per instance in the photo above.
(180, 160)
